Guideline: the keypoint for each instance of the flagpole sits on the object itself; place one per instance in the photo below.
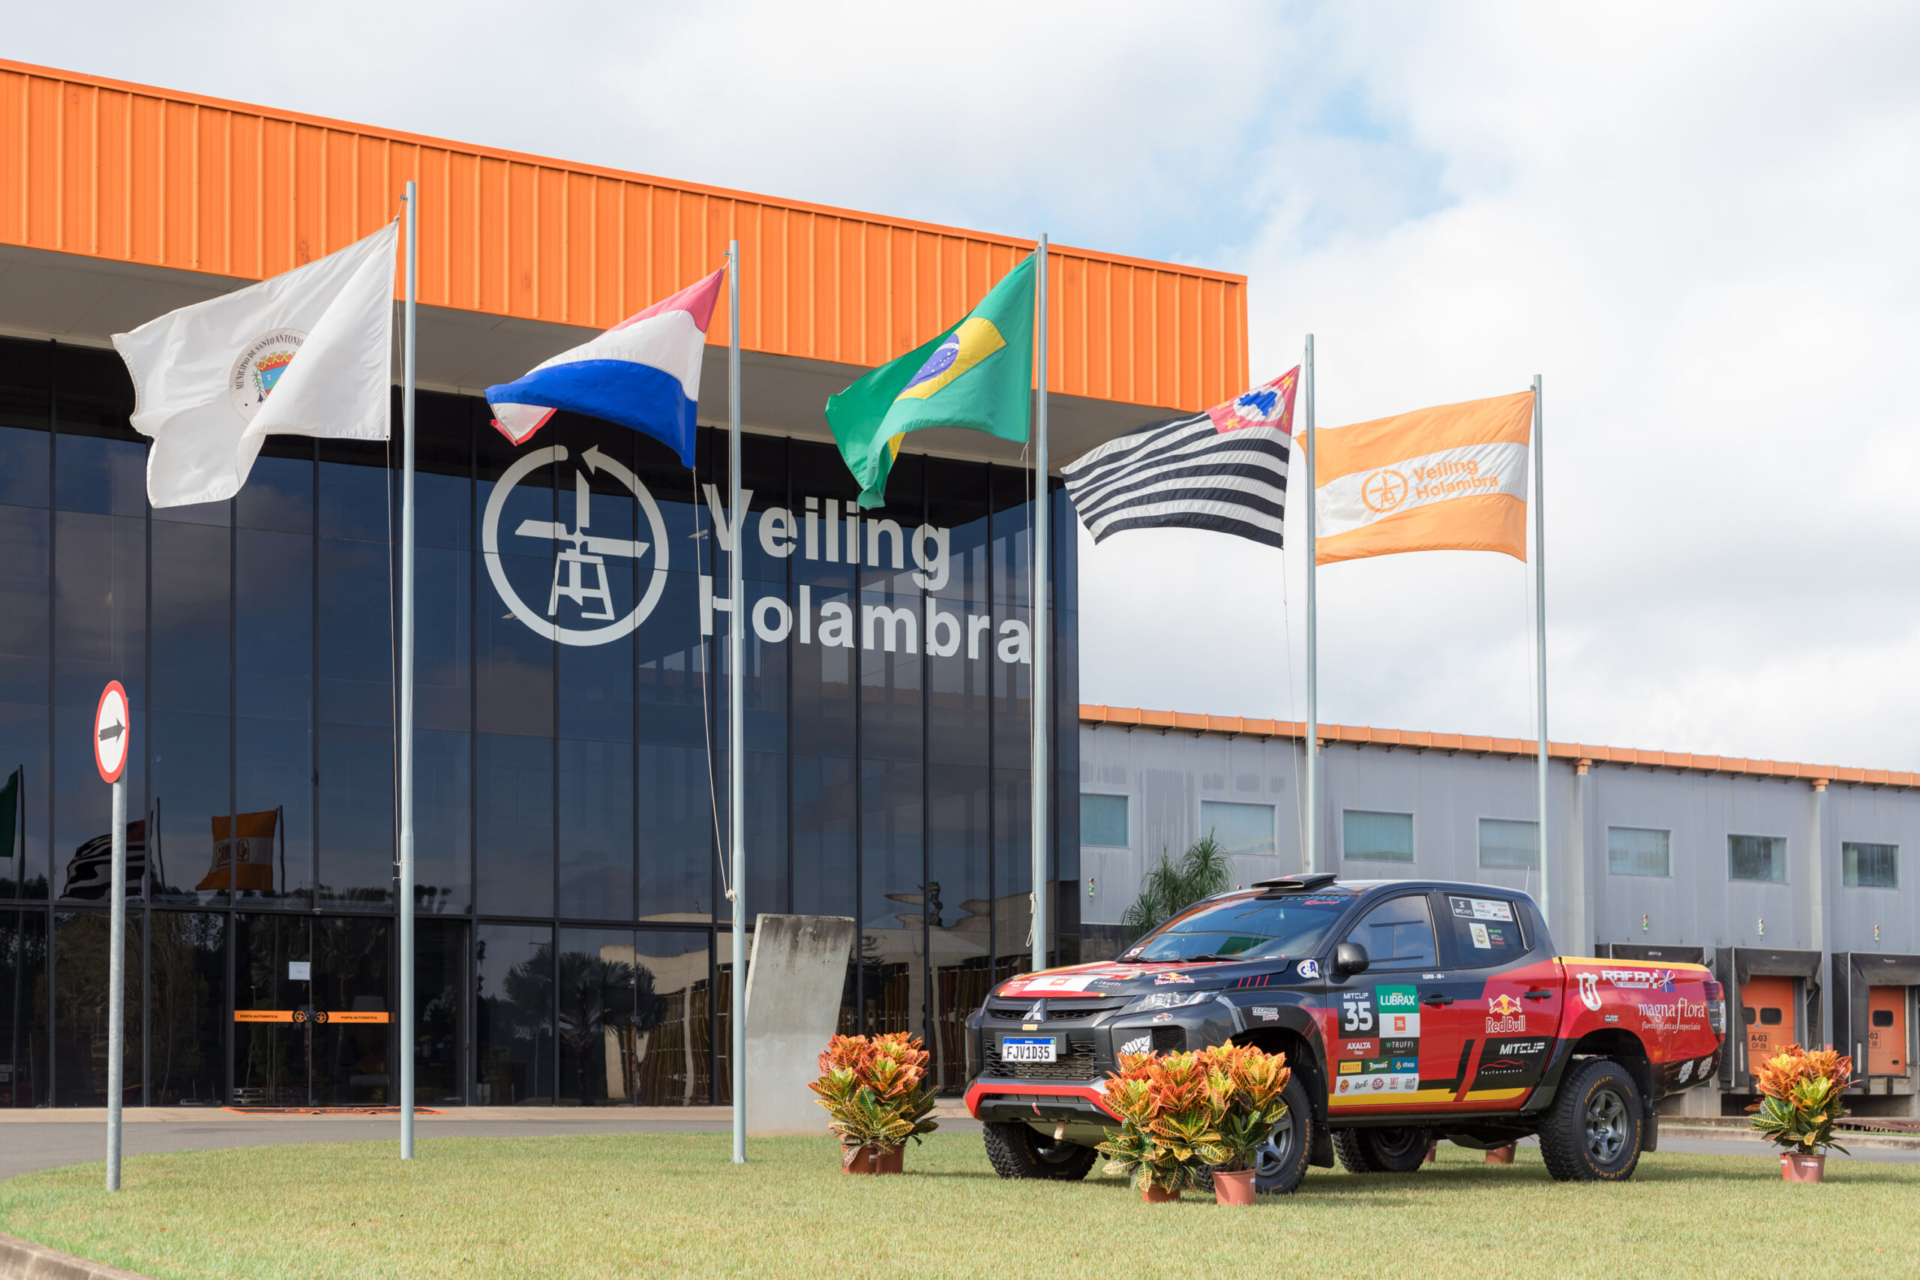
(403, 1033)
(1540, 642)
(1311, 801)
(1043, 511)
(736, 710)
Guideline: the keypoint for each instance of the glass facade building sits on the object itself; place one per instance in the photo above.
(571, 747)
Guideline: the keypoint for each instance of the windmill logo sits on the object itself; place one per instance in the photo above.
(581, 589)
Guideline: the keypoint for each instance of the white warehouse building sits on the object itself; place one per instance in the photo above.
(1786, 879)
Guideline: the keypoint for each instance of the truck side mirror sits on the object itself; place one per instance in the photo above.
(1350, 957)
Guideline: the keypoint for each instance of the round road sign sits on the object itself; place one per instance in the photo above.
(112, 723)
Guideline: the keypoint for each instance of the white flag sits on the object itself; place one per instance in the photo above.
(307, 353)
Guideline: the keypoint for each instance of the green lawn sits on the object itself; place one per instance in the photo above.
(618, 1205)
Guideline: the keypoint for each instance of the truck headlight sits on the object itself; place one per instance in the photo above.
(1168, 1000)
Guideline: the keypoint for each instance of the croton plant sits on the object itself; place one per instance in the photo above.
(1182, 1114)
(1801, 1098)
(875, 1089)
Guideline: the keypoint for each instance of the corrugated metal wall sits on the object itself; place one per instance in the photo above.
(1166, 776)
(133, 174)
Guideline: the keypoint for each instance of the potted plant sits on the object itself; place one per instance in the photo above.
(1170, 1114)
(1800, 1102)
(875, 1092)
(1249, 1082)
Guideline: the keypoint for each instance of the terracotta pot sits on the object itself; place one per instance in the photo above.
(1500, 1155)
(1797, 1166)
(1158, 1195)
(1233, 1188)
(872, 1159)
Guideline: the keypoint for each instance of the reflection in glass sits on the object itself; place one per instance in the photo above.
(440, 1012)
(23, 751)
(676, 834)
(355, 821)
(672, 1059)
(514, 828)
(192, 793)
(80, 1003)
(23, 1008)
(596, 829)
(272, 1057)
(187, 1009)
(513, 1015)
(25, 559)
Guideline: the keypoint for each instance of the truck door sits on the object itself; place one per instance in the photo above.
(1766, 1015)
(1506, 1003)
(1886, 1031)
(1381, 1052)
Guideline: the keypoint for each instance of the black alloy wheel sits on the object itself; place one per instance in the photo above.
(1017, 1151)
(1593, 1129)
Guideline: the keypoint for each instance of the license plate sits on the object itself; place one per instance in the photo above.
(1025, 1049)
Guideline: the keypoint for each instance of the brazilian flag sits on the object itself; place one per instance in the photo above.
(977, 375)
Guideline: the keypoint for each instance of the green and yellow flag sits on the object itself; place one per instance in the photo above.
(977, 375)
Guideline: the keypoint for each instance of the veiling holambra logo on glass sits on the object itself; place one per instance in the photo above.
(596, 567)
(580, 556)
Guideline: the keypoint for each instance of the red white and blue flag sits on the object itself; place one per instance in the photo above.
(643, 373)
(1224, 470)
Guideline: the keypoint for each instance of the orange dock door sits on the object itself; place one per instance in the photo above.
(1766, 1010)
(1887, 1031)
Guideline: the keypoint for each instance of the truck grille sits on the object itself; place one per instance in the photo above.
(1169, 1039)
(1055, 1013)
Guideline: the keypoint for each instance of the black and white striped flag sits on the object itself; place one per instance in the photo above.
(1225, 470)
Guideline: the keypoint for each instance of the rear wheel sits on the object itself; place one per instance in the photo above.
(1016, 1151)
(1280, 1163)
(1396, 1150)
(1593, 1129)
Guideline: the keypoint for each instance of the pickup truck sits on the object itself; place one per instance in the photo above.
(1409, 1010)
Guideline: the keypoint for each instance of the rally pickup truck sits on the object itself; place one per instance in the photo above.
(1408, 1010)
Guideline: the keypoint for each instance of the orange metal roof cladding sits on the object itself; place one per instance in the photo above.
(1135, 717)
(135, 174)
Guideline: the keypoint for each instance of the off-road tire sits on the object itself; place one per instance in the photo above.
(1016, 1151)
(1281, 1164)
(1393, 1150)
(1592, 1131)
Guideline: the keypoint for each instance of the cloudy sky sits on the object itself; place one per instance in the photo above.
(1697, 222)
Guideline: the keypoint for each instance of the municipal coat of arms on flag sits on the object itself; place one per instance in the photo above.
(1224, 470)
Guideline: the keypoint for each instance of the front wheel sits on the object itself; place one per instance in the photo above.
(1280, 1163)
(1016, 1151)
(1593, 1129)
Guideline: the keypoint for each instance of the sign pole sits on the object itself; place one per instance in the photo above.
(1311, 800)
(1043, 511)
(403, 1034)
(1540, 644)
(736, 710)
(112, 725)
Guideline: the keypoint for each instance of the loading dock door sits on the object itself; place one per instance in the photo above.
(1887, 1031)
(1766, 1013)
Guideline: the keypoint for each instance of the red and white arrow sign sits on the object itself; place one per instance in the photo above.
(112, 726)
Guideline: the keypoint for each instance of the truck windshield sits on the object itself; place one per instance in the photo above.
(1244, 929)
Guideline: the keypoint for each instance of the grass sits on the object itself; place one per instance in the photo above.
(615, 1205)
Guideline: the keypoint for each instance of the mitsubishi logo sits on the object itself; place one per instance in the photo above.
(579, 555)
(1038, 1013)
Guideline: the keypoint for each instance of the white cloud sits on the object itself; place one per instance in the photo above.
(1695, 221)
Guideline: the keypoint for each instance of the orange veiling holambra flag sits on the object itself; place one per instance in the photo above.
(1453, 478)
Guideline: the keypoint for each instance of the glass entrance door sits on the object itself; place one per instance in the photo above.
(312, 1026)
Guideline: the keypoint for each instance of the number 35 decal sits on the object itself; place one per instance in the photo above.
(1356, 1012)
